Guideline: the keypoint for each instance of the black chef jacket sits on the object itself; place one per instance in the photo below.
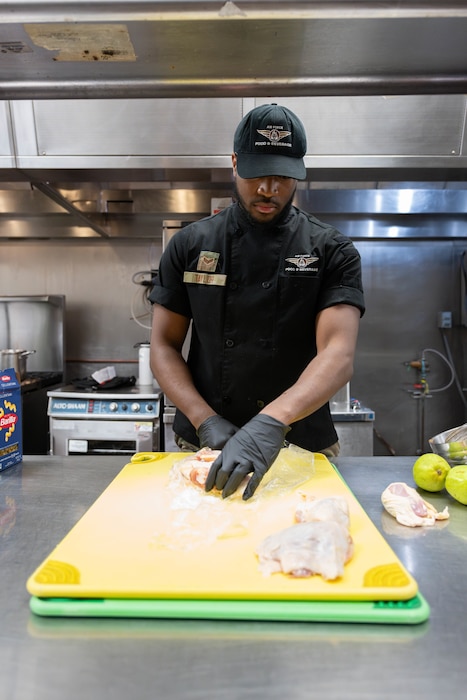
(253, 293)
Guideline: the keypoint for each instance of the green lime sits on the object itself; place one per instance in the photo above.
(456, 483)
(429, 472)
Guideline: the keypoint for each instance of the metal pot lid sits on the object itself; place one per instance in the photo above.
(22, 353)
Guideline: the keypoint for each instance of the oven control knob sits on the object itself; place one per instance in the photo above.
(113, 406)
(124, 407)
(135, 407)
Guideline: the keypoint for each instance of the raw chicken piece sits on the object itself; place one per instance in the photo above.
(408, 507)
(195, 468)
(305, 549)
(323, 509)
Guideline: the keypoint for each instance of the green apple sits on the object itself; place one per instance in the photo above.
(456, 483)
(430, 471)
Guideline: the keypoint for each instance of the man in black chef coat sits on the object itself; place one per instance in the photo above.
(275, 298)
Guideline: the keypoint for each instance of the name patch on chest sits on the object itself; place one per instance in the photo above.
(216, 280)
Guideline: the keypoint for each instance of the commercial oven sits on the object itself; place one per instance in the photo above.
(121, 421)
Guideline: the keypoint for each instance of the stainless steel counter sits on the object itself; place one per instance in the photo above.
(46, 658)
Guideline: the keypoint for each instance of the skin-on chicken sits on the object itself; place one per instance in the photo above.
(331, 508)
(195, 468)
(408, 507)
(305, 549)
(319, 543)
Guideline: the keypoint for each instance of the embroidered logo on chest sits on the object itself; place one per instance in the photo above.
(302, 263)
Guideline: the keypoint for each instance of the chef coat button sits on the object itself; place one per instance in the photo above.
(265, 285)
(233, 285)
(260, 403)
(229, 343)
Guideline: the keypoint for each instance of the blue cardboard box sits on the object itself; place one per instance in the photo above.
(11, 428)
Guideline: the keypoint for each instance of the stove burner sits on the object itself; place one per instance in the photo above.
(40, 380)
(90, 384)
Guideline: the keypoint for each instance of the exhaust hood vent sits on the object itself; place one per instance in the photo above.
(367, 212)
(115, 49)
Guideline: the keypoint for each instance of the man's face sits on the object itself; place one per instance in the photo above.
(264, 198)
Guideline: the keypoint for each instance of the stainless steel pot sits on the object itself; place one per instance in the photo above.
(15, 359)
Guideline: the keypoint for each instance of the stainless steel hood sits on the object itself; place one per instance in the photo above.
(140, 49)
(382, 88)
(138, 211)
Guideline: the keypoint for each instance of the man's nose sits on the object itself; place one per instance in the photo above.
(268, 185)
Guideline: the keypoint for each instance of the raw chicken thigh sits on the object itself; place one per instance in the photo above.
(323, 509)
(195, 468)
(407, 506)
(307, 548)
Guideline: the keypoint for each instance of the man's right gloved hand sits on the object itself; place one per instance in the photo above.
(215, 431)
(252, 449)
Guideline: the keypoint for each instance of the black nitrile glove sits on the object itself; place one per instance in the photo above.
(252, 449)
(214, 432)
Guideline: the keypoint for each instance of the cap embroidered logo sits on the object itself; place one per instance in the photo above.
(274, 134)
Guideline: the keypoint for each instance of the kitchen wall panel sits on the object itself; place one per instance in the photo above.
(106, 313)
(406, 283)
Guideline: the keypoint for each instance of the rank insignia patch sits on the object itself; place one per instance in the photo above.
(207, 261)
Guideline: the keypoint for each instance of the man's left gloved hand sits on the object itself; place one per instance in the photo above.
(252, 449)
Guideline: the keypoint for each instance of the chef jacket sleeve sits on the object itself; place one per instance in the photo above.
(343, 275)
(169, 289)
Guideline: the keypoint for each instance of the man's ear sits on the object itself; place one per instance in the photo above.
(234, 163)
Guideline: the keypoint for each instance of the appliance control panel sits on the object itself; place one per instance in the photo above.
(96, 407)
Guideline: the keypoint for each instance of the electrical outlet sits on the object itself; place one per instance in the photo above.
(445, 319)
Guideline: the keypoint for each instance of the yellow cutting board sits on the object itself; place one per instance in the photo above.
(145, 537)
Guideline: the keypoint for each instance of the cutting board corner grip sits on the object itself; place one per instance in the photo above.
(140, 457)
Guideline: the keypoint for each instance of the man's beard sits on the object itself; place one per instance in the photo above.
(266, 224)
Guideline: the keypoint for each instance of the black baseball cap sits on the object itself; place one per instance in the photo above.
(270, 140)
